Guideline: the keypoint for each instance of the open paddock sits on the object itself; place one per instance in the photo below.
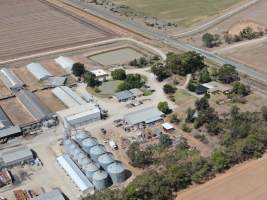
(16, 112)
(49, 100)
(49, 28)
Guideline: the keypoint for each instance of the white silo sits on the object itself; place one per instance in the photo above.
(117, 172)
(97, 151)
(105, 159)
(100, 179)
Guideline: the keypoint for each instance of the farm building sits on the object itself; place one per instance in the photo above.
(10, 79)
(52, 195)
(100, 74)
(33, 105)
(15, 156)
(38, 71)
(124, 96)
(76, 175)
(200, 89)
(68, 96)
(65, 63)
(144, 116)
(215, 86)
(136, 92)
(80, 115)
(167, 127)
(6, 127)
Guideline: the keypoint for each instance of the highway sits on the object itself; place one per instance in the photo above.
(166, 39)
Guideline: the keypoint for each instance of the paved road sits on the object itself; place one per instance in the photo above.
(168, 40)
(216, 20)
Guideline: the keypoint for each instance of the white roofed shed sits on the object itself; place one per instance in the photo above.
(38, 71)
(65, 63)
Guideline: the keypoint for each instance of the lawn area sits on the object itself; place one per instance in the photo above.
(183, 97)
(183, 12)
(107, 89)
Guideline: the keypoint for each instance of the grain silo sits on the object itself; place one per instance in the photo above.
(97, 151)
(86, 161)
(90, 169)
(117, 172)
(100, 179)
(81, 135)
(66, 144)
(105, 160)
(76, 153)
(81, 156)
(88, 143)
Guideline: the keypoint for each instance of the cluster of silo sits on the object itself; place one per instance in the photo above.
(96, 163)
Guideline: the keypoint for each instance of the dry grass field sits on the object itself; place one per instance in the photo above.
(183, 12)
(30, 26)
(244, 182)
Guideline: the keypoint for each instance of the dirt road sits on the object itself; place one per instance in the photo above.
(247, 181)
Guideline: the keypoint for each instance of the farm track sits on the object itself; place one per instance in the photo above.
(50, 28)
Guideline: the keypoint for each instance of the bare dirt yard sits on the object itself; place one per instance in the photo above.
(49, 28)
(243, 182)
(5, 92)
(49, 100)
(16, 112)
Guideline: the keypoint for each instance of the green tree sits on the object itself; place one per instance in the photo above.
(160, 71)
(191, 86)
(228, 74)
(204, 76)
(78, 69)
(118, 74)
(164, 107)
(210, 40)
(169, 89)
(240, 89)
(190, 115)
(202, 104)
(90, 79)
(220, 161)
(138, 157)
(264, 113)
(131, 81)
(105, 194)
(165, 141)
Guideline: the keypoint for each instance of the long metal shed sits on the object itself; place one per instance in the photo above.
(6, 126)
(65, 63)
(52, 195)
(38, 71)
(148, 115)
(75, 174)
(10, 79)
(33, 104)
(68, 96)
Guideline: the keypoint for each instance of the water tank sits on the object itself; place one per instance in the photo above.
(66, 144)
(97, 151)
(81, 156)
(100, 179)
(91, 169)
(86, 161)
(116, 172)
(105, 160)
(81, 135)
(88, 143)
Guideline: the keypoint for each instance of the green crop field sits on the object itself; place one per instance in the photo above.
(183, 12)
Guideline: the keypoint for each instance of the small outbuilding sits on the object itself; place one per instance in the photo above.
(100, 74)
(52, 195)
(200, 89)
(124, 96)
(167, 127)
(136, 92)
(214, 87)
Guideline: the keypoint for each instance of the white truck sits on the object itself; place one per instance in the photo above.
(113, 145)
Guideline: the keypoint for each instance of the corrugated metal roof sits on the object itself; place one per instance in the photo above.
(123, 95)
(38, 71)
(68, 96)
(147, 115)
(10, 79)
(12, 130)
(75, 110)
(75, 173)
(83, 116)
(56, 81)
(4, 120)
(16, 154)
(33, 104)
(65, 63)
(53, 195)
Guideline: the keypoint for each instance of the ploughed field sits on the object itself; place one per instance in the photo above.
(31, 26)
